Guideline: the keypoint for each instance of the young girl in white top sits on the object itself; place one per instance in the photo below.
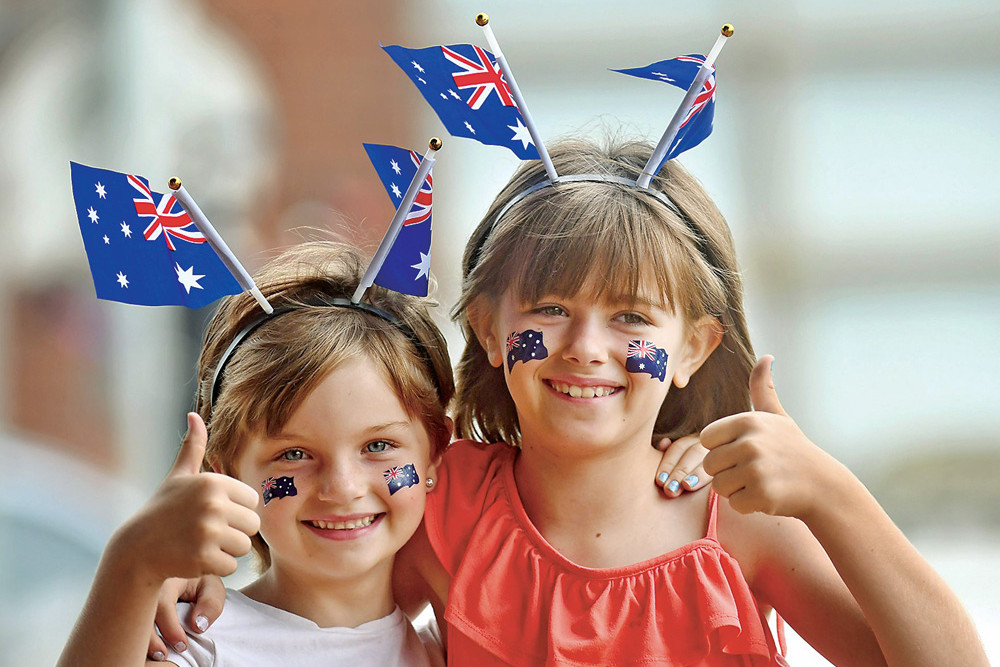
(324, 422)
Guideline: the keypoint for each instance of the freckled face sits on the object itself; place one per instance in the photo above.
(343, 521)
(582, 391)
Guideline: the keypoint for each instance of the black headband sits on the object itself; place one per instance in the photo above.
(703, 247)
(335, 302)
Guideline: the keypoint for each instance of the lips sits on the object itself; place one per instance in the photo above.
(579, 390)
(345, 528)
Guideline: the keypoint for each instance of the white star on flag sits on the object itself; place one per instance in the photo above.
(417, 67)
(454, 94)
(395, 167)
(423, 266)
(126, 231)
(92, 214)
(471, 129)
(421, 81)
(396, 191)
(521, 134)
(107, 241)
(101, 192)
(187, 278)
(122, 279)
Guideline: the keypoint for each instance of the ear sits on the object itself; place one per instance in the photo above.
(480, 314)
(432, 467)
(705, 335)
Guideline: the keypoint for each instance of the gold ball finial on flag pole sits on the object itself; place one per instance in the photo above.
(728, 30)
(174, 183)
(434, 144)
(482, 19)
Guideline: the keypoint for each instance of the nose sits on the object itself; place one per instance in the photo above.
(587, 341)
(341, 481)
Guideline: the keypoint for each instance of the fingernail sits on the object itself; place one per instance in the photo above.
(691, 480)
(180, 647)
(201, 622)
(158, 656)
(674, 486)
(662, 478)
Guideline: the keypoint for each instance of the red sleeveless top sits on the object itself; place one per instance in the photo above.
(515, 600)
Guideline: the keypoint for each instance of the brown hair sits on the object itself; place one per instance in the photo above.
(280, 363)
(610, 239)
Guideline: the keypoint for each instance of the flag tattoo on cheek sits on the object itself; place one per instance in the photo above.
(278, 488)
(400, 477)
(644, 357)
(525, 346)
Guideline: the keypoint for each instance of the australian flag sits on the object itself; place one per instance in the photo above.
(278, 488)
(142, 247)
(525, 346)
(465, 86)
(644, 357)
(400, 477)
(680, 72)
(409, 260)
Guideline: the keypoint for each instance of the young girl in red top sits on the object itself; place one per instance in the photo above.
(599, 313)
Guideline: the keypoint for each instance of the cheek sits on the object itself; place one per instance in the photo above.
(398, 478)
(644, 357)
(525, 346)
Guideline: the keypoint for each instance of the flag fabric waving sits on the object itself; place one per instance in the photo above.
(465, 87)
(680, 72)
(142, 247)
(407, 265)
(401, 477)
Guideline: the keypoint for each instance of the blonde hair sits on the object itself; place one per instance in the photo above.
(274, 368)
(612, 240)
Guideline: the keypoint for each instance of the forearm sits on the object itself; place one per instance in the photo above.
(916, 617)
(114, 626)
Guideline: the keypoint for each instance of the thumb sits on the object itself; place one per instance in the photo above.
(192, 450)
(762, 393)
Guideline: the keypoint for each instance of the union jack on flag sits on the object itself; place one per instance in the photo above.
(121, 221)
(681, 72)
(465, 87)
(408, 263)
(644, 357)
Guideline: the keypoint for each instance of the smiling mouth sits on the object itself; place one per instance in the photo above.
(353, 524)
(576, 391)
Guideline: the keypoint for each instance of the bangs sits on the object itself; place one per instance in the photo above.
(600, 241)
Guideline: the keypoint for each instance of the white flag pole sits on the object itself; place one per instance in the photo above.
(483, 20)
(218, 244)
(433, 146)
(675, 123)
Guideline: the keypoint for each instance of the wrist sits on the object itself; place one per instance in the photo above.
(129, 561)
(838, 495)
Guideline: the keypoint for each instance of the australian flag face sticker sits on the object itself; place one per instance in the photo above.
(278, 488)
(525, 346)
(644, 357)
(400, 477)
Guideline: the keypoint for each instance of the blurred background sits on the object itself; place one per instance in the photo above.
(854, 155)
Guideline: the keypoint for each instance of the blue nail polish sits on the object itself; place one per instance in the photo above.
(674, 486)
(663, 477)
(691, 480)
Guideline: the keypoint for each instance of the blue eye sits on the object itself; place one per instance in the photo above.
(293, 455)
(378, 447)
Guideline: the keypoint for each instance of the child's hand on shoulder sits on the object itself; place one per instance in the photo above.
(196, 523)
(681, 468)
(763, 462)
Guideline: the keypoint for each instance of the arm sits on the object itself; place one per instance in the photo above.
(113, 628)
(418, 577)
(845, 577)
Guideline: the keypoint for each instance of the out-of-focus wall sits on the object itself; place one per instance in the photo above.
(853, 155)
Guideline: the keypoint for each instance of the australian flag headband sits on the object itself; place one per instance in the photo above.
(702, 245)
(333, 302)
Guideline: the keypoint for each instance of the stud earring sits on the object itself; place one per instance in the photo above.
(429, 482)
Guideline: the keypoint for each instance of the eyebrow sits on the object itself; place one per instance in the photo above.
(371, 430)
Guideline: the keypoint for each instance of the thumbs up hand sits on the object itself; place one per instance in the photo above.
(762, 462)
(196, 523)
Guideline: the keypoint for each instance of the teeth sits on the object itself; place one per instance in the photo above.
(583, 392)
(345, 525)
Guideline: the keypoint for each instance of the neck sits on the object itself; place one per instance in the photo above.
(592, 507)
(328, 602)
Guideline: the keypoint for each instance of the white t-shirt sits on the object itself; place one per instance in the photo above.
(252, 633)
